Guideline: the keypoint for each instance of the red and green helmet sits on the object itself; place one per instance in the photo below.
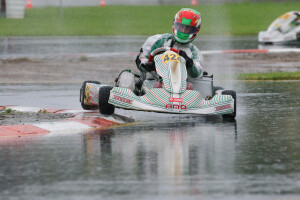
(186, 25)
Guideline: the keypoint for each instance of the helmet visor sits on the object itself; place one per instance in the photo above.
(185, 28)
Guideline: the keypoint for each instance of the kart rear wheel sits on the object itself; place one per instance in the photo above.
(104, 107)
(233, 94)
(82, 96)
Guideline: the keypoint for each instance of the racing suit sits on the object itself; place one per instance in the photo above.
(167, 40)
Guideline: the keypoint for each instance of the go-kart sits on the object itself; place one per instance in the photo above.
(285, 29)
(166, 90)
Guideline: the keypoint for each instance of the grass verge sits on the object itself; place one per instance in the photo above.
(217, 19)
(276, 76)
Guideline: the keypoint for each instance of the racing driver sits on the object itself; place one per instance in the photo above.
(186, 25)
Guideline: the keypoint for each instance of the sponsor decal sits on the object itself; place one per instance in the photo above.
(285, 16)
(175, 100)
(92, 93)
(118, 98)
(218, 108)
(171, 57)
(178, 107)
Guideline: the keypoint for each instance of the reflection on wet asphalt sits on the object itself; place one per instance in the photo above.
(165, 156)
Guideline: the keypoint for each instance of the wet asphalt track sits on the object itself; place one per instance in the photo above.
(162, 157)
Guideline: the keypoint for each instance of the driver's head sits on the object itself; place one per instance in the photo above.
(186, 25)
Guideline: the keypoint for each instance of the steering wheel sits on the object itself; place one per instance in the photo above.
(159, 50)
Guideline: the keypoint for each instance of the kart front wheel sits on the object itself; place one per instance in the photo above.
(83, 96)
(104, 107)
(233, 94)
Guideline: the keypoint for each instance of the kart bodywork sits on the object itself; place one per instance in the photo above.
(172, 97)
(285, 29)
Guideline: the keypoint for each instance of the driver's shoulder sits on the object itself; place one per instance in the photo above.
(154, 39)
(160, 40)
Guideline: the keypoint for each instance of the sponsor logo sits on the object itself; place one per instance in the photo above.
(175, 100)
(171, 57)
(118, 98)
(285, 16)
(178, 107)
(218, 108)
(92, 93)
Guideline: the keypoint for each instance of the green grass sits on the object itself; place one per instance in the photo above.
(8, 111)
(218, 19)
(276, 76)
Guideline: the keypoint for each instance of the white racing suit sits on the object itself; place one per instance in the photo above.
(167, 40)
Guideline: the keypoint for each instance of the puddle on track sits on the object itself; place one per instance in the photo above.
(163, 157)
(166, 156)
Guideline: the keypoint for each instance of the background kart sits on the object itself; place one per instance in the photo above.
(285, 29)
(166, 90)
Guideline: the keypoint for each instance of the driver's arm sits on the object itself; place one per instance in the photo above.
(196, 70)
(193, 61)
(141, 60)
(142, 57)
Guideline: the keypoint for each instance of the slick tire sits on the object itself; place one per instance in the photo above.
(82, 96)
(104, 107)
(232, 93)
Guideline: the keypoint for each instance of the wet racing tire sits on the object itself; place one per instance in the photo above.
(233, 94)
(104, 107)
(82, 96)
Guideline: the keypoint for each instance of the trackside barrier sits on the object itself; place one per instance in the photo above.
(234, 51)
(15, 9)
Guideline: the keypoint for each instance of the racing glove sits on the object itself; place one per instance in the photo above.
(148, 66)
(189, 61)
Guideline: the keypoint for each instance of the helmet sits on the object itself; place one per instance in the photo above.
(186, 25)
